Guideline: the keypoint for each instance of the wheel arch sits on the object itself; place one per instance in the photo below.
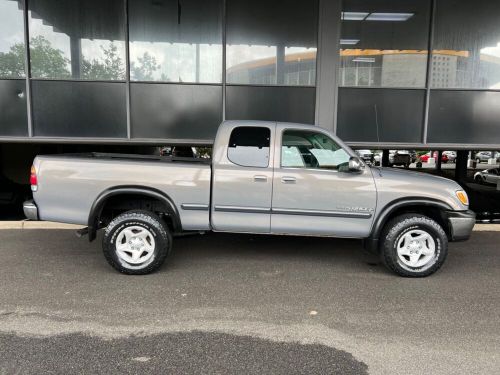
(432, 208)
(114, 193)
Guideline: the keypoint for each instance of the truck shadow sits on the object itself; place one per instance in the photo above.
(272, 248)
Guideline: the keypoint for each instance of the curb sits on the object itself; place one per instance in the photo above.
(26, 224)
(487, 228)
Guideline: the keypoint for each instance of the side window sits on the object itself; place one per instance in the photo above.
(309, 149)
(249, 146)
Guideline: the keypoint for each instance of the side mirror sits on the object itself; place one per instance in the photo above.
(355, 164)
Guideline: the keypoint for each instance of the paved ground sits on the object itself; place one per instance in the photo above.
(245, 304)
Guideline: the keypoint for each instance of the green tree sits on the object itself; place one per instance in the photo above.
(12, 62)
(47, 61)
(110, 68)
(50, 62)
(145, 69)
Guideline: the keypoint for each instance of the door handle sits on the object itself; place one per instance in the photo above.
(288, 180)
(260, 178)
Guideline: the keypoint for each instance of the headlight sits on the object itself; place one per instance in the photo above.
(462, 197)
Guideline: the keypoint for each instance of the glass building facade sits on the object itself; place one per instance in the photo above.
(379, 73)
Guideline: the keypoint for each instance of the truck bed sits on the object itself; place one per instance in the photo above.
(69, 184)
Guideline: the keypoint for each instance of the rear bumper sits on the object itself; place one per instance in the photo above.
(30, 210)
(461, 224)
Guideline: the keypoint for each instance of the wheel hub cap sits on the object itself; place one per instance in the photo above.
(416, 248)
(135, 245)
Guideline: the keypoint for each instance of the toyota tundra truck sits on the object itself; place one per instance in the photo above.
(263, 177)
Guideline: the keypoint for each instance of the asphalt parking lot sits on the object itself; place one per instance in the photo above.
(245, 304)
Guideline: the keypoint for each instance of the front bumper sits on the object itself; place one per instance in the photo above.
(30, 210)
(461, 224)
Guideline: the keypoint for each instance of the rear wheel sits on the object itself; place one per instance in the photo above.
(414, 245)
(136, 242)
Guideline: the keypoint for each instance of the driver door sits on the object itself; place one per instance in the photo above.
(313, 193)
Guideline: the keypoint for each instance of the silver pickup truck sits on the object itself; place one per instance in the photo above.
(264, 177)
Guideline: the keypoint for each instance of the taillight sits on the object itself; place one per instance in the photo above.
(33, 179)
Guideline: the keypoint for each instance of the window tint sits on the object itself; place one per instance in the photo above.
(249, 146)
(176, 41)
(78, 39)
(384, 43)
(271, 42)
(466, 49)
(308, 149)
(11, 39)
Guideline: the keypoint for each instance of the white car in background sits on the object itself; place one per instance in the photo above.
(484, 156)
(452, 156)
(488, 176)
(366, 155)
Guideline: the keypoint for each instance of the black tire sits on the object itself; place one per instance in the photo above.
(143, 219)
(478, 180)
(401, 225)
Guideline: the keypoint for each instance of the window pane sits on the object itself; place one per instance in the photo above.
(79, 109)
(12, 47)
(13, 110)
(307, 149)
(466, 44)
(286, 104)
(380, 115)
(249, 146)
(176, 41)
(384, 43)
(271, 42)
(79, 39)
(464, 117)
(175, 111)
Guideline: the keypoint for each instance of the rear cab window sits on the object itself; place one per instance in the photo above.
(249, 146)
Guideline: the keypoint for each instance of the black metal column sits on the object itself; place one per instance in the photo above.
(439, 160)
(385, 158)
(461, 166)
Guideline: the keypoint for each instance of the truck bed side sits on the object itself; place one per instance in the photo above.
(68, 185)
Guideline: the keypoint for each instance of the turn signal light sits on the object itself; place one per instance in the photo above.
(462, 197)
(33, 179)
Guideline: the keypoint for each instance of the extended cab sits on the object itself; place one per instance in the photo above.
(264, 177)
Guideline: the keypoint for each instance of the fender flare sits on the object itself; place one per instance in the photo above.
(100, 201)
(371, 243)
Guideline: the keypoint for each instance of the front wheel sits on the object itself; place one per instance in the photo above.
(414, 245)
(136, 242)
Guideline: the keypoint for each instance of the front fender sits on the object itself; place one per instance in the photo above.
(381, 217)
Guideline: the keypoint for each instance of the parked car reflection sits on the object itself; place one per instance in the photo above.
(425, 157)
(366, 155)
(488, 176)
